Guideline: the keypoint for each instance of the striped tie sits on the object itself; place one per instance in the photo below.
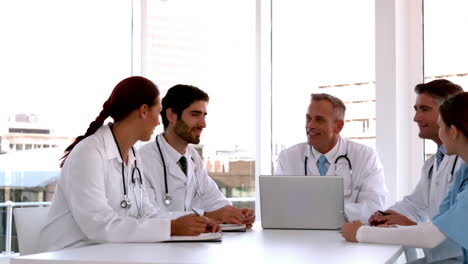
(322, 165)
(440, 155)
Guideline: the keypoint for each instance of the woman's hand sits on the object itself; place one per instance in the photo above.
(349, 230)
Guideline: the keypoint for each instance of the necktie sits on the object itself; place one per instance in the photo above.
(322, 165)
(440, 155)
(183, 164)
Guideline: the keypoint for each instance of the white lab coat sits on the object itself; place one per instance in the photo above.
(86, 204)
(183, 188)
(423, 204)
(364, 193)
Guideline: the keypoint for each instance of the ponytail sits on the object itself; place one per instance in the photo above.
(93, 127)
(128, 95)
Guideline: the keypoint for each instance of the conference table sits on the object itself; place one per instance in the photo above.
(253, 246)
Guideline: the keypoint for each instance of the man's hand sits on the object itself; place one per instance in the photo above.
(393, 218)
(373, 219)
(192, 225)
(227, 215)
(249, 217)
(349, 230)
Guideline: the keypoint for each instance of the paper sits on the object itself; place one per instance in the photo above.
(233, 228)
(202, 237)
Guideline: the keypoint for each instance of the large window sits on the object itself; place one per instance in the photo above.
(445, 45)
(322, 47)
(210, 44)
(59, 60)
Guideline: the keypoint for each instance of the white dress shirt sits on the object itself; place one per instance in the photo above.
(86, 204)
(196, 190)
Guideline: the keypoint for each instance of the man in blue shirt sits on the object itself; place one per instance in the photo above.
(436, 176)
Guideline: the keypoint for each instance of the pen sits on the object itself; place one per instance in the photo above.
(382, 212)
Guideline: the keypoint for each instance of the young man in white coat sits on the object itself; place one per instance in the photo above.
(326, 153)
(176, 171)
(436, 174)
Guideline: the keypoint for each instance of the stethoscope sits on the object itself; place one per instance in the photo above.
(345, 156)
(429, 175)
(167, 198)
(451, 173)
(462, 184)
(125, 203)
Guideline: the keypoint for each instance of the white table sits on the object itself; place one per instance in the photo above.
(254, 246)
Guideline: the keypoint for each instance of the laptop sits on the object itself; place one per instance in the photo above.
(301, 202)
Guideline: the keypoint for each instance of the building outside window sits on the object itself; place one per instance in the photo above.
(445, 54)
(212, 45)
(321, 47)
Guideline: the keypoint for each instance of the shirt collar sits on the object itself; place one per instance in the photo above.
(170, 152)
(111, 150)
(330, 155)
(441, 148)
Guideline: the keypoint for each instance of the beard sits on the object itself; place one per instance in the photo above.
(182, 130)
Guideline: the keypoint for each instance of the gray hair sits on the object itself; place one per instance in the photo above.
(338, 106)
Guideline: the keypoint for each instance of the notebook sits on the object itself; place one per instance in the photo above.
(301, 202)
(233, 228)
(202, 237)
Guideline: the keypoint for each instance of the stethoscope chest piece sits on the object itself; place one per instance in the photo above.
(125, 203)
(167, 199)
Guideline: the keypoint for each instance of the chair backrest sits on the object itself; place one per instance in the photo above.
(29, 222)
